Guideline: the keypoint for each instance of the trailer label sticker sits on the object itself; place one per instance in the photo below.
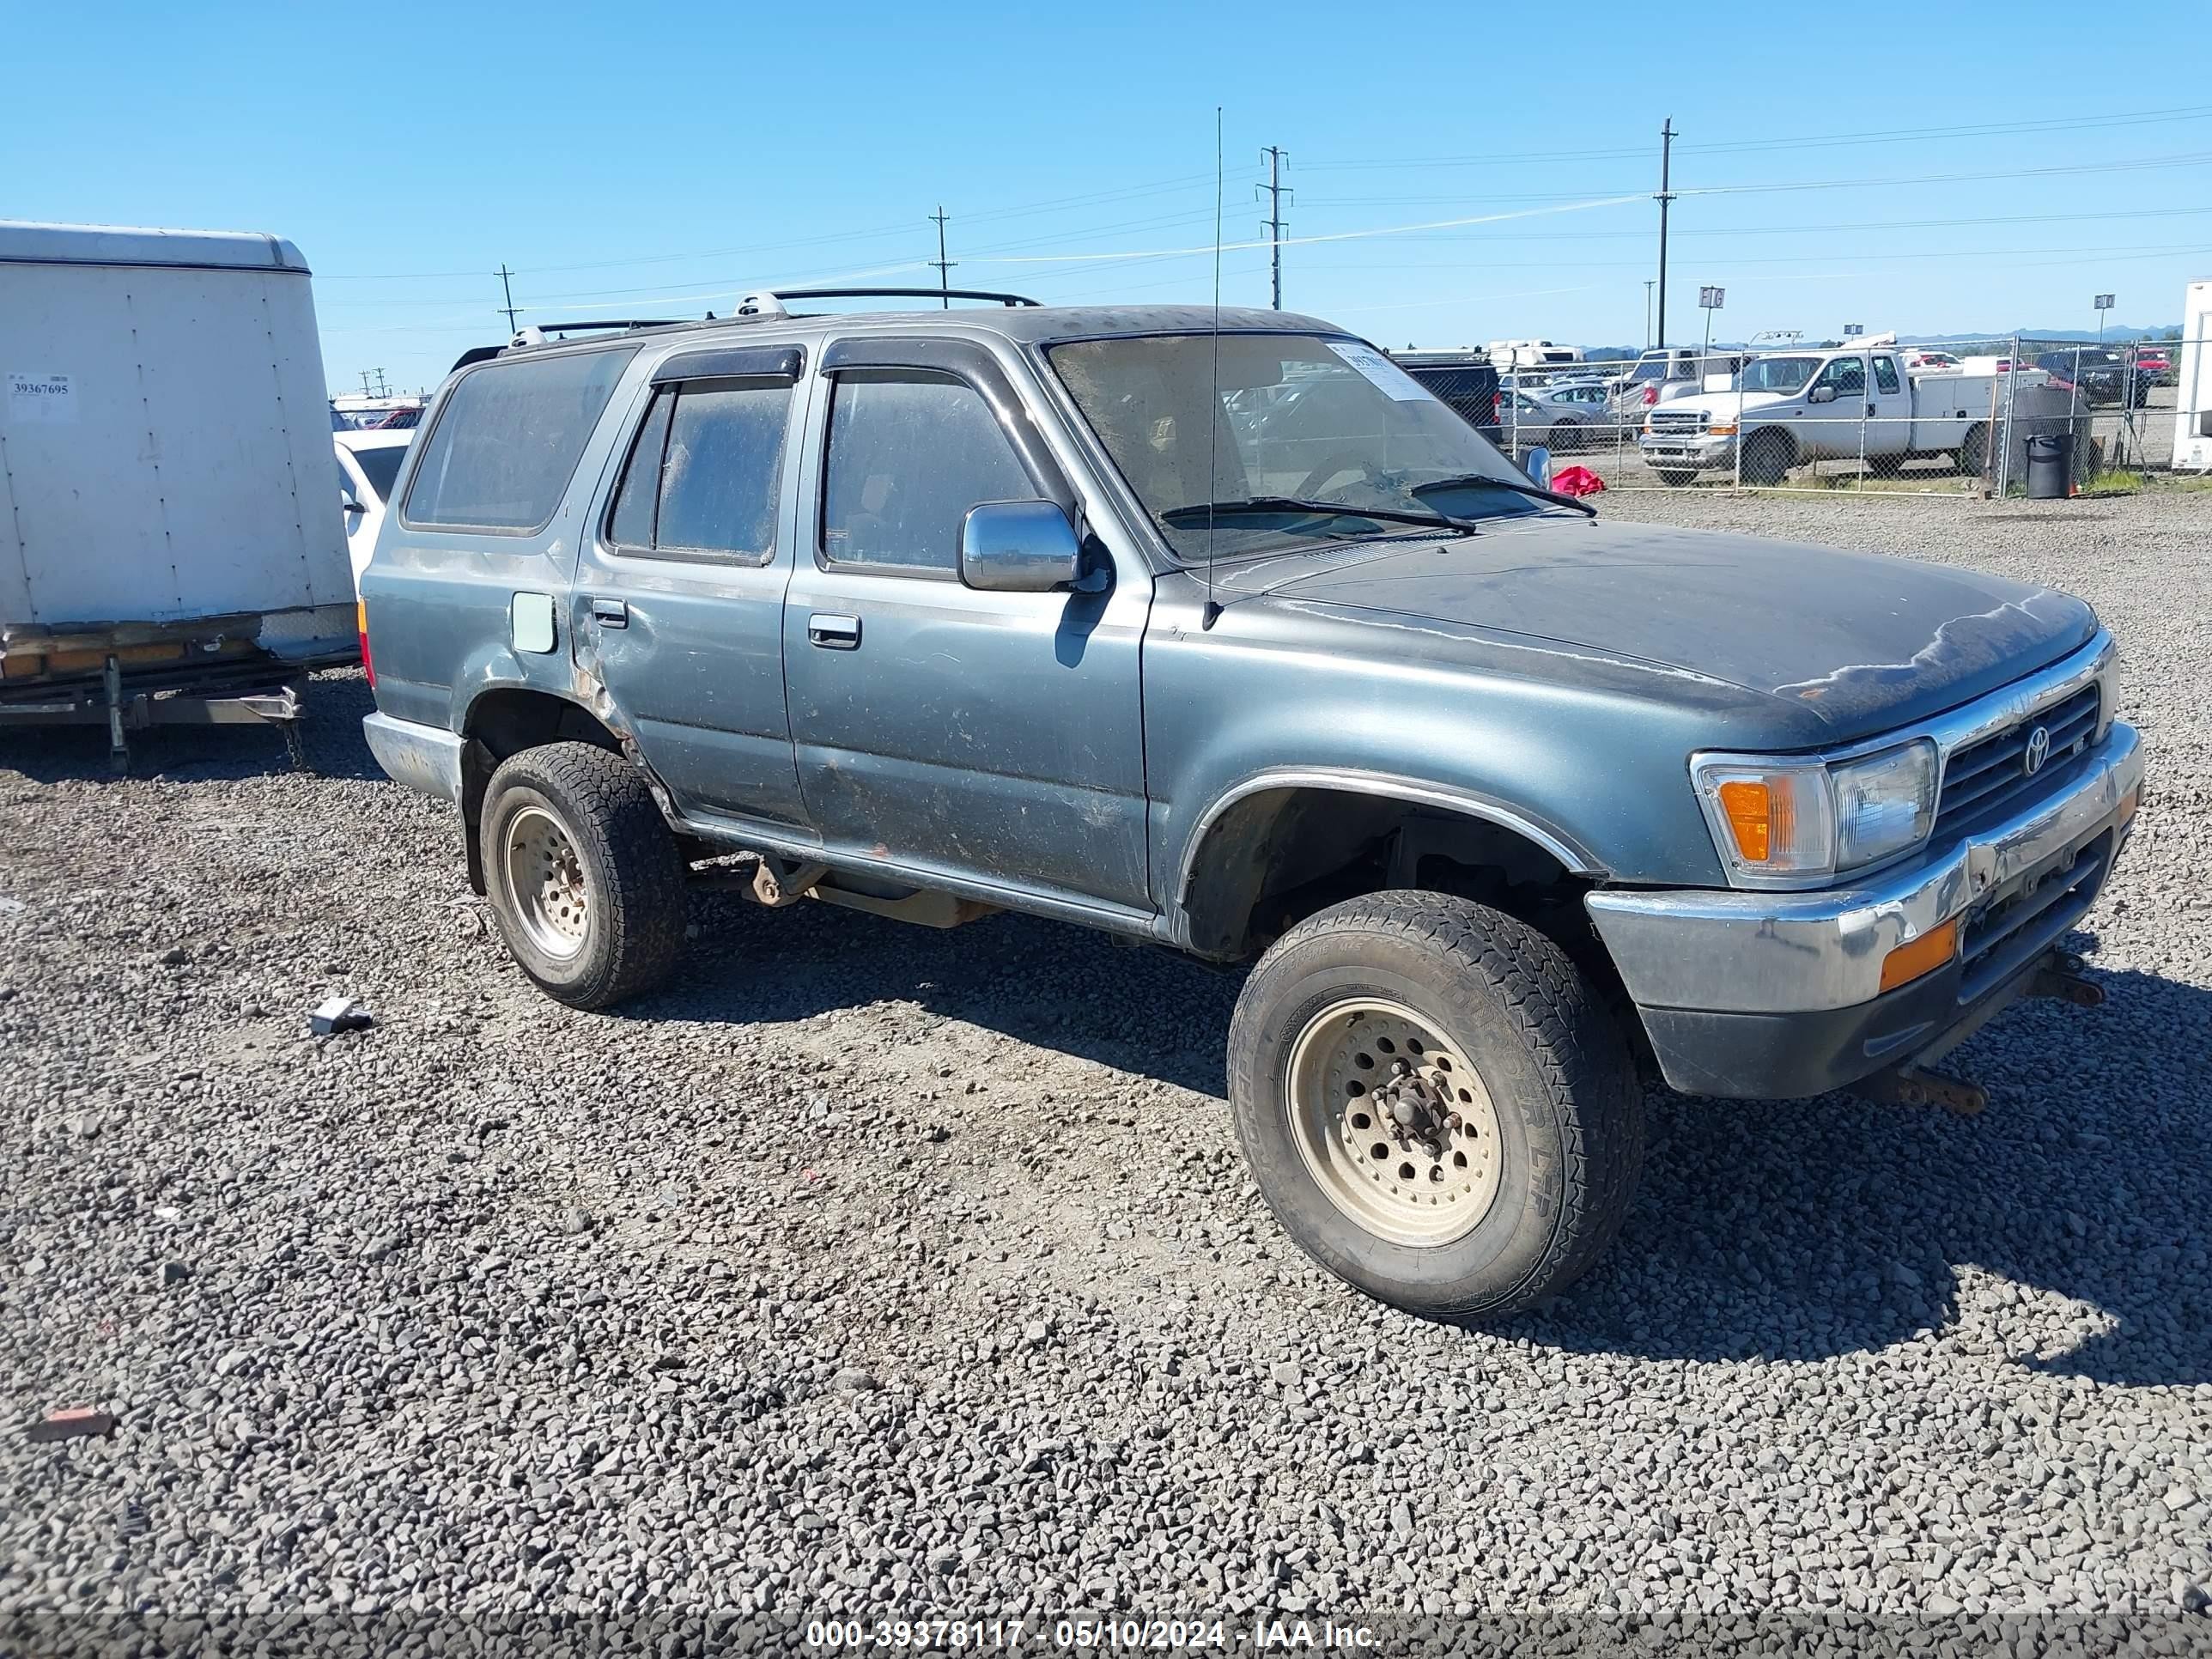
(1393, 379)
(40, 399)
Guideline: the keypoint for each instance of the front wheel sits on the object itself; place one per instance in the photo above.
(1674, 476)
(582, 874)
(1434, 1103)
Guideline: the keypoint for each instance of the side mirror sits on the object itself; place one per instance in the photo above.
(1019, 547)
(1821, 394)
(348, 504)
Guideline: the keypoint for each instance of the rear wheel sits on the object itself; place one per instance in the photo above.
(1974, 450)
(1565, 435)
(1767, 459)
(1435, 1104)
(582, 874)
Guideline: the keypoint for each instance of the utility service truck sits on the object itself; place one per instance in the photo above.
(1854, 402)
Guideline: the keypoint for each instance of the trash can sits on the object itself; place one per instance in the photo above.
(2050, 465)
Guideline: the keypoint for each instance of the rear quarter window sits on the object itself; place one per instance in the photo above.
(507, 440)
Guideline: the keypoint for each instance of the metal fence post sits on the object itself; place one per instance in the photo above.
(2011, 402)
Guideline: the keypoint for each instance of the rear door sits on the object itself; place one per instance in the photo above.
(678, 606)
(995, 736)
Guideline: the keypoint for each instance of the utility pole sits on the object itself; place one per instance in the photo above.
(1666, 196)
(1273, 223)
(382, 390)
(365, 390)
(1647, 314)
(508, 289)
(944, 265)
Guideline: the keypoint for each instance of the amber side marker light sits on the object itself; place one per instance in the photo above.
(1752, 809)
(1921, 956)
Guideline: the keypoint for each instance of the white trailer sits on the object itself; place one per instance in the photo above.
(171, 547)
(2192, 384)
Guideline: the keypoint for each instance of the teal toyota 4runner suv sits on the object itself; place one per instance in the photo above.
(1216, 630)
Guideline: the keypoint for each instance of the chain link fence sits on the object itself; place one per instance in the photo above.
(2011, 416)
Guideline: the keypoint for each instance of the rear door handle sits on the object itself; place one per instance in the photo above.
(832, 633)
(610, 613)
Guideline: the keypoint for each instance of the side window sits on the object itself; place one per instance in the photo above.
(910, 453)
(1884, 373)
(507, 438)
(703, 474)
(1847, 374)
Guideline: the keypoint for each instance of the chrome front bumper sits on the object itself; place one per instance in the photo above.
(1686, 448)
(1761, 952)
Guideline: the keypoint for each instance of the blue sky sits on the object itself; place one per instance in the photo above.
(658, 158)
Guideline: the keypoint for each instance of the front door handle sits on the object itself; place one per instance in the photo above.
(832, 633)
(610, 613)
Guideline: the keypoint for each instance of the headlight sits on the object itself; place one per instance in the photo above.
(1784, 822)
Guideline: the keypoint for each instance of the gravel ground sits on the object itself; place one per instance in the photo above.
(876, 1271)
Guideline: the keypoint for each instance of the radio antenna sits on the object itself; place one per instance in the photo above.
(1212, 612)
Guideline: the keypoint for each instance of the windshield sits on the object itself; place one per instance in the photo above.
(1300, 419)
(1777, 373)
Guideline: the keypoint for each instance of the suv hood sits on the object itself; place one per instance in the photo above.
(1864, 641)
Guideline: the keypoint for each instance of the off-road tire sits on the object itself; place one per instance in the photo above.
(1974, 450)
(1569, 1108)
(1676, 477)
(637, 909)
(1766, 458)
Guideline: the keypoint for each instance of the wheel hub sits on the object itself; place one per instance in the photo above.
(1394, 1122)
(545, 882)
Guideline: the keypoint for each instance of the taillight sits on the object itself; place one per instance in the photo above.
(1651, 396)
(360, 617)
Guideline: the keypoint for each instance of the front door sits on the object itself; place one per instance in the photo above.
(1889, 408)
(678, 606)
(1834, 426)
(995, 736)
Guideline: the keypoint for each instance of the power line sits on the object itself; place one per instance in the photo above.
(1273, 223)
(1894, 135)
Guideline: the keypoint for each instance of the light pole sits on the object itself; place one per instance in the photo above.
(2104, 304)
(1709, 300)
(1647, 315)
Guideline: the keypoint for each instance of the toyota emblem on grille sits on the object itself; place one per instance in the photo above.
(2038, 750)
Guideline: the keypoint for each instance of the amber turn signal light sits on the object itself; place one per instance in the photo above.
(1750, 809)
(1922, 955)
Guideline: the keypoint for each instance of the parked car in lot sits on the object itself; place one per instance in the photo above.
(2100, 374)
(2153, 365)
(369, 461)
(1572, 416)
(1929, 357)
(931, 613)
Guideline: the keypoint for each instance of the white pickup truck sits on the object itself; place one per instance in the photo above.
(1855, 402)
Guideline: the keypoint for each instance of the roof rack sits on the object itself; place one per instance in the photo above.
(995, 297)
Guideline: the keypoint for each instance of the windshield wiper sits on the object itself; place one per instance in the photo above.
(1472, 480)
(1183, 518)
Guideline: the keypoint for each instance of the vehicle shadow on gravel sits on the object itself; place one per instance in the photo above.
(332, 706)
(1762, 1230)
(2076, 1204)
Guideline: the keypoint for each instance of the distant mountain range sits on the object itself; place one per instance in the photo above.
(2118, 334)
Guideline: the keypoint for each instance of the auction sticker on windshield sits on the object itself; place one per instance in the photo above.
(1393, 379)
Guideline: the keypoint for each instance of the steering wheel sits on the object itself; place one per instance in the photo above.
(1346, 462)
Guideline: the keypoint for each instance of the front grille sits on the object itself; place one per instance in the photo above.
(1985, 778)
(1675, 420)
